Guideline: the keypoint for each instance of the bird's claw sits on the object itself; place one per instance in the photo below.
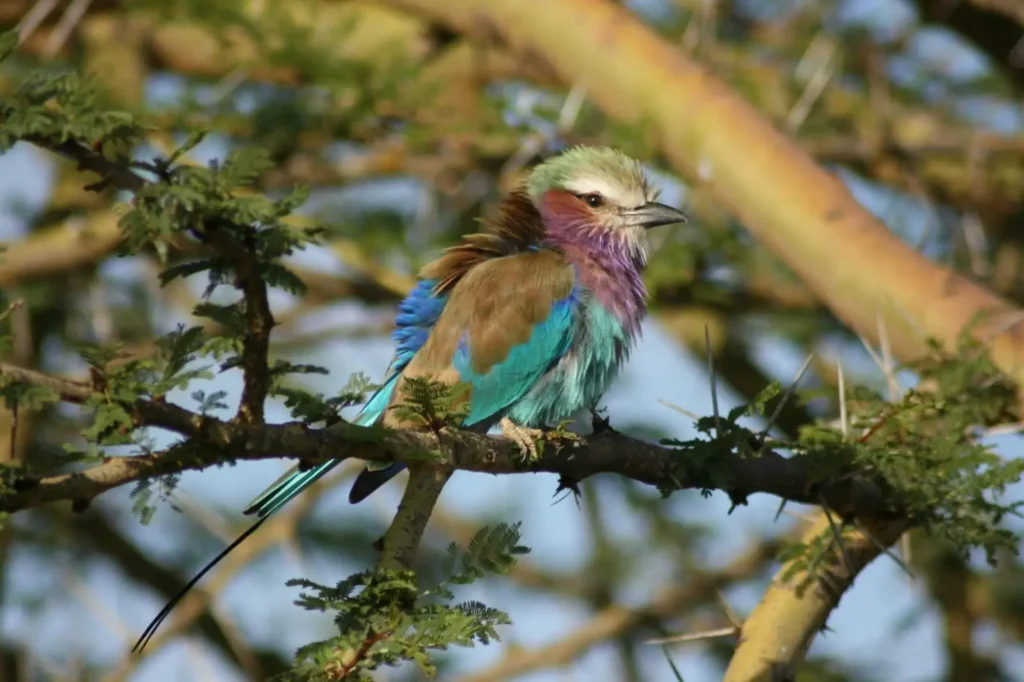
(525, 437)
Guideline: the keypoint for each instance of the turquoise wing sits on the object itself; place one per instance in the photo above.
(507, 322)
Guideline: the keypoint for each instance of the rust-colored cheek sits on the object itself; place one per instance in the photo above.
(561, 206)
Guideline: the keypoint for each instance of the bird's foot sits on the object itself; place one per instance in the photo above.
(525, 437)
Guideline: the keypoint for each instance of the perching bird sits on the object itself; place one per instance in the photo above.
(536, 313)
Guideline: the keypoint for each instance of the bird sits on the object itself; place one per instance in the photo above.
(535, 314)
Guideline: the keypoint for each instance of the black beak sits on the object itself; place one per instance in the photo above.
(653, 214)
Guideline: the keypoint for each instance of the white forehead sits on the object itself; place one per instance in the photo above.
(626, 195)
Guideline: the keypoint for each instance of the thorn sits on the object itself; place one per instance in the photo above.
(737, 498)
(905, 547)
(824, 53)
(889, 368)
(870, 536)
(14, 305)
(696, 636)
(599, 423)
(681, 410)
(782, 507)
(871, 351)
(844, 422)
(567, 485)
(837, 533)
(729, 613)
(790, 390)
(571, 108)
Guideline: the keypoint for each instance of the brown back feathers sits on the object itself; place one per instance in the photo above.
(516, 227)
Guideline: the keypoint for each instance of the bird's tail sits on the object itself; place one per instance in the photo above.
(289, 486)
(280, 493)
(294, 481)
(369, 480)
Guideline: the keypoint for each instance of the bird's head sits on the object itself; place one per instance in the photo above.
(600, 192)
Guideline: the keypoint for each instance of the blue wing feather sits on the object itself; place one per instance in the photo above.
(417, 314)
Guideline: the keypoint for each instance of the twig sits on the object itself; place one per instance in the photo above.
(406, 530)
(258, 316)
(33, 18)
(681, 410)
(72, 15)
(259, 321)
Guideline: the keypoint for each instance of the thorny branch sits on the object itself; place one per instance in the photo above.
(259, 319)
(212, 441)
(771, 647)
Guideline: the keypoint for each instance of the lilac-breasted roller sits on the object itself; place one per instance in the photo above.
(536, 313)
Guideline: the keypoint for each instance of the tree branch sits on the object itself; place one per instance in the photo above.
(258, 317)
(775, 637)
(406, 530)
(214, 442)
(259, 322)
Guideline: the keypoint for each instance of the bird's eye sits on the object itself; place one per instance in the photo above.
(593, 200)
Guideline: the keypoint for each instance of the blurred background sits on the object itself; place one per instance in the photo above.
(406, 131)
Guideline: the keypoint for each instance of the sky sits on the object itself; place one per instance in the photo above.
(103, 614)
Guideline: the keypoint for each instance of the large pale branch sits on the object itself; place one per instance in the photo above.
(775, 637)
(801, 212)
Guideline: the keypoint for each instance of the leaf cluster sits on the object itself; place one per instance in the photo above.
(926, 450)
(432, 404)
(383, 618)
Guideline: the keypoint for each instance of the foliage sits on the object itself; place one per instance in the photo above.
(925, 450)
(432, 404)
(384, 619)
